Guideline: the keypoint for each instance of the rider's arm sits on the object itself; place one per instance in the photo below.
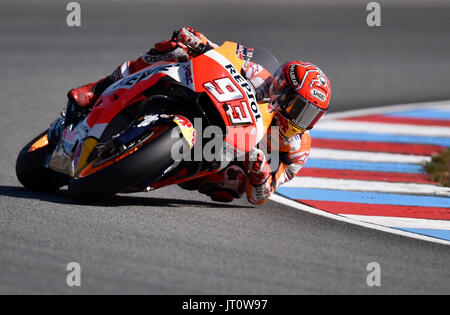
(294, 153)
(183, 45)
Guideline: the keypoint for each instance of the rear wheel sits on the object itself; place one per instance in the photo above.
(30, 169)
(148, 163)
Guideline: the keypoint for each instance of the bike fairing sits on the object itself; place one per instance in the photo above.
(127, 83)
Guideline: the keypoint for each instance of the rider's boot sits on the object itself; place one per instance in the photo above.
(86, 95)
(78, 107)
(82, 99)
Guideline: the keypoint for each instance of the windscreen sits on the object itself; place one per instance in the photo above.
(266, 59)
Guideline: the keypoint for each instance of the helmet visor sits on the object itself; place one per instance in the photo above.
(300, 112)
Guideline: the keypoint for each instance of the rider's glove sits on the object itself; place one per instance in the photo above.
(184, 43)
(195, 43)
(257, 167)
(191, 40)
(259, 186)
(186, 38)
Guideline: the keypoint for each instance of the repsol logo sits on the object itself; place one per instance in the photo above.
(319, 95)
(248, 88)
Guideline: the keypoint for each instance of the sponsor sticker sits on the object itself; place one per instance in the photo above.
(188, 75)
(293, 76)
(319, 95)
(128, 82)
(241, 52)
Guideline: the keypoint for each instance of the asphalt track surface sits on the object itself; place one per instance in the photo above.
(177, 242)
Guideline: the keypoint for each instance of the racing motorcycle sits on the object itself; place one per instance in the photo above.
(126, 141)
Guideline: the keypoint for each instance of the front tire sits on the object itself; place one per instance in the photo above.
(146, 164)
(32, 173)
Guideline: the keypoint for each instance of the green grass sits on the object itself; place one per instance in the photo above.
(439, 168)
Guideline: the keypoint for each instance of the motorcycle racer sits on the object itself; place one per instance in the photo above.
(298, 93)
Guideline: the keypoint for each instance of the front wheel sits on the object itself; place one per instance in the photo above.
(30, 169)
(145, 164)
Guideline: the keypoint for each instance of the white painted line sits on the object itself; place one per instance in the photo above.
(385, 109)
(381, 128)
(406, 223)
(348, 155)
(368, 186)
(302, 207)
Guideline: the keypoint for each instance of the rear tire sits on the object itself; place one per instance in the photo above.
(32, 173)
(148, 163)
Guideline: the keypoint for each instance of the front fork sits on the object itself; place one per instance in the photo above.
(66, 127)
(71, 116)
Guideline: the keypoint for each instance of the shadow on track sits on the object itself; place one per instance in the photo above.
(63, 197)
